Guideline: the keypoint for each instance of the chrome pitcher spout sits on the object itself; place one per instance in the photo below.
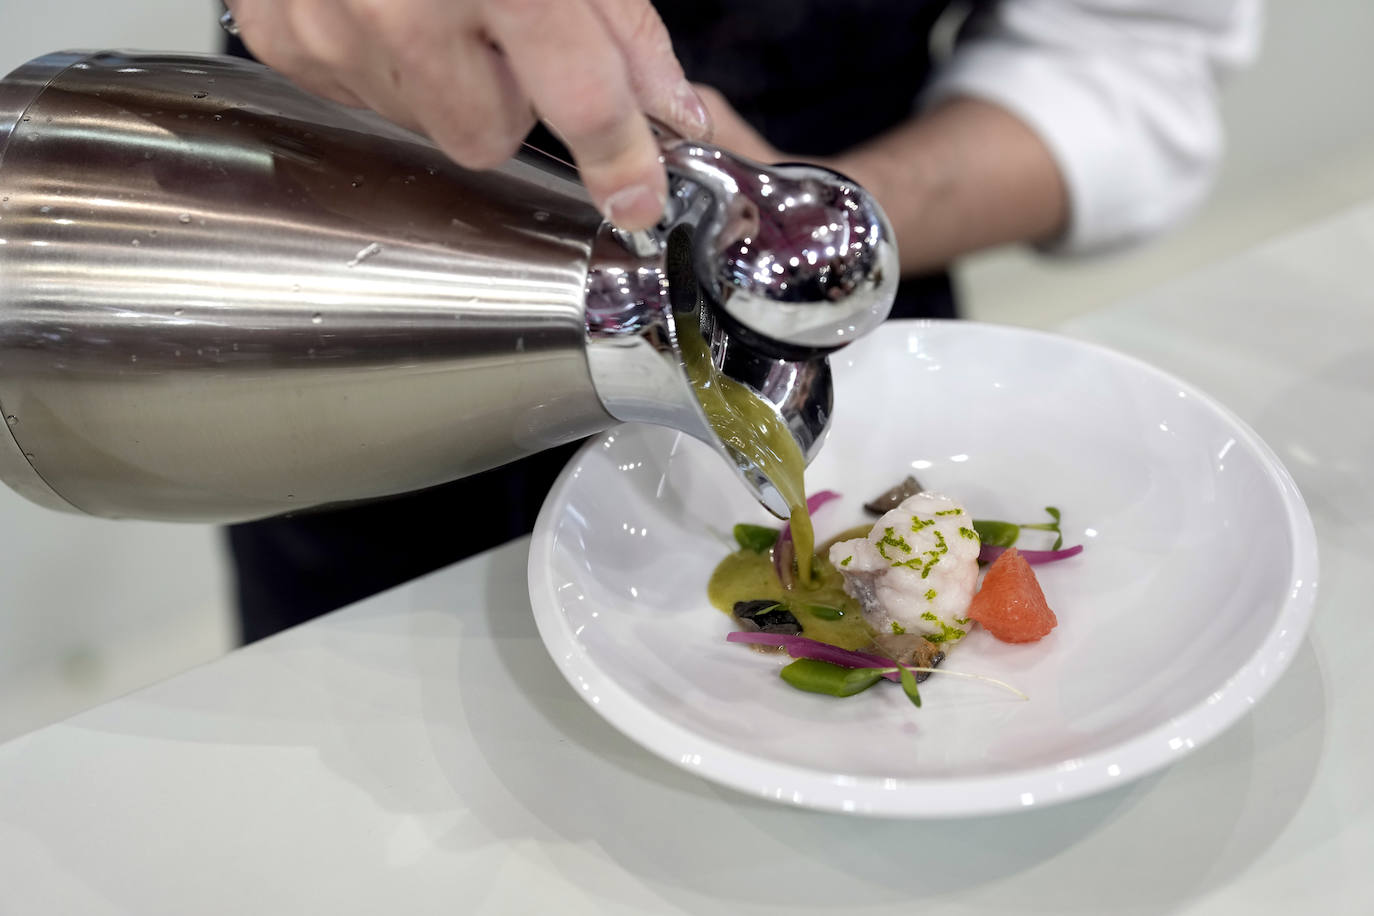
(774, 266)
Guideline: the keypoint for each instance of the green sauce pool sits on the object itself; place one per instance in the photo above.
(825, 612)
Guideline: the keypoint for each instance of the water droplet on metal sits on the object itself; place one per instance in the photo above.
(519, 345)
(295, 287)
(28, 455)
(45, 209)
(177, 313)
(236, 348)
(432, 170)
(199, 94)
(136, 243)
(176, 353)
(11, 420)
(184, 218)
(24, 118)
(541, 216)
(371, 251)
(183, 116)
(133, 357)
(357, 181)
(33, 137)
(317, 318)
(153, 233)
(219, 117)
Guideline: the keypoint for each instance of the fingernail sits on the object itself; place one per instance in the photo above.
(692, 113)
(636, 207)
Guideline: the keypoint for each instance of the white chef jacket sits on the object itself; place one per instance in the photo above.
(1124, 94)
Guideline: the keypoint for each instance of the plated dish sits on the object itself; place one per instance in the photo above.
(1194, 589)
(888, 599)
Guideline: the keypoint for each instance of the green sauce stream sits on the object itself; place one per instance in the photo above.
(751, 426)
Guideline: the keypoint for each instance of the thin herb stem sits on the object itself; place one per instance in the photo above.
(963, 674)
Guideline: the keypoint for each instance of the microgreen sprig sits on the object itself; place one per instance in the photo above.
(994, 533)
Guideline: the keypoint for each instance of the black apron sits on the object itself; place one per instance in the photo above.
(815, 77)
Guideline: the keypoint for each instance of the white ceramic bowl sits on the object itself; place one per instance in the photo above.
(1194, 590)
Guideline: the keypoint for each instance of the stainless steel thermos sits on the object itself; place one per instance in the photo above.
(222, 298)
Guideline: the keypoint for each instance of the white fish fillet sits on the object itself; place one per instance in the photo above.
(917, 570)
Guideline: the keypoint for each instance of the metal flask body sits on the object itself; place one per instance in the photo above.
(222, 298)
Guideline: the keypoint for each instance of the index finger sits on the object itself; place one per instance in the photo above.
(574, 73)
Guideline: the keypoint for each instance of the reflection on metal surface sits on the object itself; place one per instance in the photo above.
(222, 298)
(797, 256)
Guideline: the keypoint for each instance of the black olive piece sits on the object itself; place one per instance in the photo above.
(895, 496)
(934, 663)
(768, 616)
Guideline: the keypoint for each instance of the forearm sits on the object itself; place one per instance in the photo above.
(963, 176)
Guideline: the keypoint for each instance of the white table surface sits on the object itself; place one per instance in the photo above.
(419, 753)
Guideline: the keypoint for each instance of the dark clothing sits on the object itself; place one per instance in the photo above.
(294, 568)
(815, 77)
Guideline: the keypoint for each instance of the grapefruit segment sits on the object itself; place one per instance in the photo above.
(1010, 604)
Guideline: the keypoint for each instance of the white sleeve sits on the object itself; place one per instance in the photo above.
(1123, 92)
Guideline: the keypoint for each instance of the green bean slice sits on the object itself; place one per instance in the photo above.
(833, 680)
(996, 534)
(824, 611)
